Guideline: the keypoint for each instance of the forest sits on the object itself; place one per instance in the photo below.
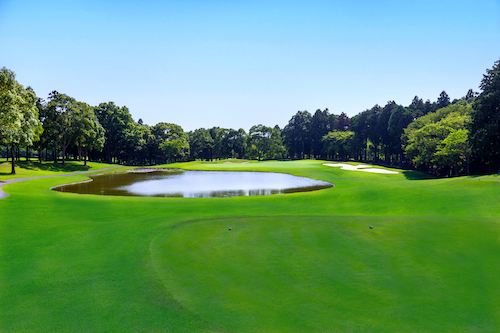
(444, 137)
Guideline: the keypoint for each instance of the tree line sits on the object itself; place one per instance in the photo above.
(442, 137)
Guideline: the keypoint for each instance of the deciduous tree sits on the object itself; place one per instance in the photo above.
(339, 144)
(66, 112)
(439, 139)
(201, 143)
(173, 141)
(19, 124)
(117, 123)
(267, 141)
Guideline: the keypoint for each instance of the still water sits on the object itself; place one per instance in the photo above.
(195, 184)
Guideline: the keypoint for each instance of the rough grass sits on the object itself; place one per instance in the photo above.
(296, 262)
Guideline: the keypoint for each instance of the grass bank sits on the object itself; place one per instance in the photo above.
(34, 168)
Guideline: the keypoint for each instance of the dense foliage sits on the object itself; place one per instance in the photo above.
(442, 137)
(485, 118)
(19, 124)
(439, 139)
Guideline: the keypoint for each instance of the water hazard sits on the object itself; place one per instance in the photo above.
(195, 184)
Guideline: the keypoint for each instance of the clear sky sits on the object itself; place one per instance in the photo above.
(236, 64)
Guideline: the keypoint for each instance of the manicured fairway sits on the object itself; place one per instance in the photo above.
(316, 274)
(303, 262)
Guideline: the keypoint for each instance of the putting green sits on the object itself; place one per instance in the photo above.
(322, 273)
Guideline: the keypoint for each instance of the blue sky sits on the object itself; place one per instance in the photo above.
(236, 64)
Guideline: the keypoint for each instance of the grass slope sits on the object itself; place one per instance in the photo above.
(296, 262)
(34, 168)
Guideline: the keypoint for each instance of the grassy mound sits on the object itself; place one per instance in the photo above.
(294, 262)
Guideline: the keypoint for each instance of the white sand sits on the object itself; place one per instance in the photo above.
(360, 167)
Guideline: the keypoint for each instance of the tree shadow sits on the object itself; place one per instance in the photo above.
(417, 175)
(49, 166)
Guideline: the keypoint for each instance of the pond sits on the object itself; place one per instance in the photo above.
(194, 184)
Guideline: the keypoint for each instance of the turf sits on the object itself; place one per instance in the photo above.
(34, 168)
(303, 262)
(315, 274)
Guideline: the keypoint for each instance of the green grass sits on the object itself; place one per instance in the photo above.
(303, 262)
(33, 168)
(311, 273)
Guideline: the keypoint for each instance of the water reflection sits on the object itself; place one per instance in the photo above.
(195, 184)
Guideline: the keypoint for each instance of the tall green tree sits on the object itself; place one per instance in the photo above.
(438, 140)
(417, 107)
(322, 122)
(443, 100)
(67, 115)
(455, 150)
(343, 122)
(219, 136)
(201, 144)
(359, 125)
(484, 127)
(297, 135)
(235, 143)
(173, 142)
(117, 123)
(373, 132)
(339, 144)
(138, 144)
(84, 127)
(19, 123)
(89, 133)
(383, 129)
(267, 141)
(398, 121)
(48, 116)
(45, 137)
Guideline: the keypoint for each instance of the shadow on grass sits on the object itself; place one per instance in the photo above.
(417, 175)
(71, 166)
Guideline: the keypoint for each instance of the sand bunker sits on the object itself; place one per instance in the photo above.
(360, 167)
